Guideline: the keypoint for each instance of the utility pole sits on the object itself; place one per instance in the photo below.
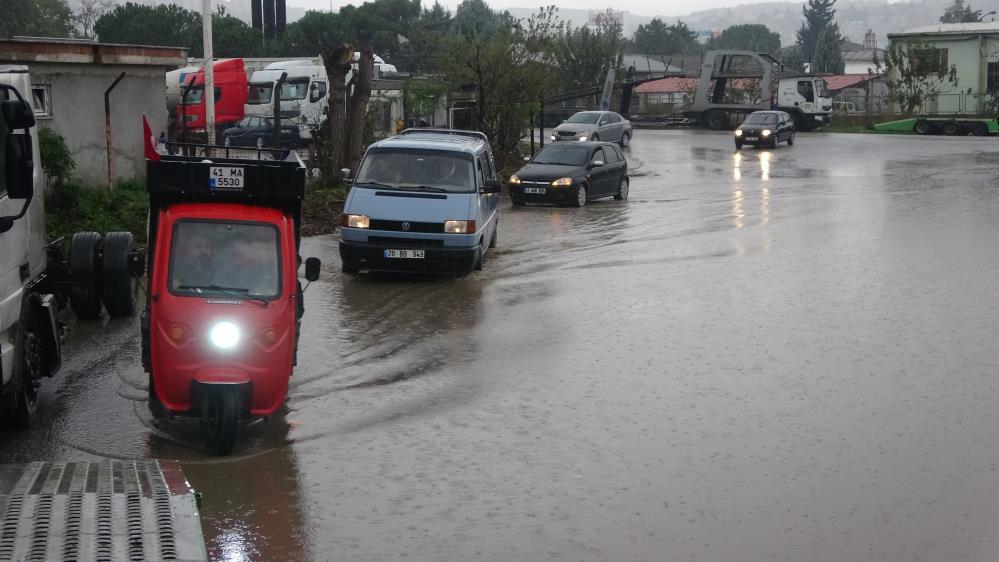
(209, 93)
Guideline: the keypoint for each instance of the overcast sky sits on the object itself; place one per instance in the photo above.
(639, 7)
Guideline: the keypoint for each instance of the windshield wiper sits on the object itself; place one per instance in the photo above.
(423, 188)
(245, 293)
(377, 184)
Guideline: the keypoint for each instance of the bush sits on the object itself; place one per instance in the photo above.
(71, 207)
(322, 207)
(57, 161)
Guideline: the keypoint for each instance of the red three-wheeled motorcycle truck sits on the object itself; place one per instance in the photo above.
(222, 316)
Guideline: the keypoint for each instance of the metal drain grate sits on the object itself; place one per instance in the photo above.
(107, 511)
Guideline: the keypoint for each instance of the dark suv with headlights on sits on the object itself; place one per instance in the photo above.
(765, 128)
(572, 174)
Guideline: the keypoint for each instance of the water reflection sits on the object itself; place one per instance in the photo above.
(251, 500)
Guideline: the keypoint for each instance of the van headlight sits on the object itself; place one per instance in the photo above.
(459, 227)
(355, 221)
(224, 335)
(562, 182)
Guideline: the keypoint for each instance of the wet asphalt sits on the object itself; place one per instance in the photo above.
(765, 355)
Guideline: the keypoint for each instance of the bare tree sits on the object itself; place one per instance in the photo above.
(337, 62)
(88, 13)
(915, 72)
(359, 107)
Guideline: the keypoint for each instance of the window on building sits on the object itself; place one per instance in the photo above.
(41, 99)
(992, 77)
(928, 60)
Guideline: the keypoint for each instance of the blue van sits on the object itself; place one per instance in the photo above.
(425, 201)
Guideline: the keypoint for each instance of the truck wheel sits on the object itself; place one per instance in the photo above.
(85, 269)
(797, 121)
(222, 415)
(950, 128)
(980, 129)
(28, 366)
(715, 120)
(119, 285)
(921, 127)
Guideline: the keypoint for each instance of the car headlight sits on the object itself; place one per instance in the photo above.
(553, 137)
(459, 227)
(766, 132)
(582, 139)
(561, 182)
(514, 180)
(355, 221)
(738, 132)
(224, 335)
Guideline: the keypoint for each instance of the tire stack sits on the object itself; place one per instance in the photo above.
(101, 274)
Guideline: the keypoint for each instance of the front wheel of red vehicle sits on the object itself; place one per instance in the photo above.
(155, 406)
(221, 420)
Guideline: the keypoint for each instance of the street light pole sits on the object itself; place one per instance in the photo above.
(209, 93)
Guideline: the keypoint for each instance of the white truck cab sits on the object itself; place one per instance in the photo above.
(34, 279)
(303, 94)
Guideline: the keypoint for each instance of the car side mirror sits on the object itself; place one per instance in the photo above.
(491, 186)
(312, 266)
(345, 174)
(596, 163)
(527, 159)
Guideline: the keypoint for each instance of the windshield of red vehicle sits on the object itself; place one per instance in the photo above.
(225, 259)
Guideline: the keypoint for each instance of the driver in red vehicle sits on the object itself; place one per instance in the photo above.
(252, 262)
(195, 262)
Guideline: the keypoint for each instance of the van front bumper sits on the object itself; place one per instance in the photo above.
(437, 259)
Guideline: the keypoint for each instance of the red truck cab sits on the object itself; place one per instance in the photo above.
(231, 90)
(220, 327)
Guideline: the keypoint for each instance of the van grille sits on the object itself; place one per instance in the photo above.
(397, 226)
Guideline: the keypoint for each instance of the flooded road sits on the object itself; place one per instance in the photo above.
(765, 355)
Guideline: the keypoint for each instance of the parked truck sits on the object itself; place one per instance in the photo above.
(733, 84)
(36, 282)
(231, 91)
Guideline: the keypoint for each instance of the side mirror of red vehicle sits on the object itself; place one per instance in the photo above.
(312, 266)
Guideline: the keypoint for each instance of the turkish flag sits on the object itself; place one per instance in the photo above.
(150, 142)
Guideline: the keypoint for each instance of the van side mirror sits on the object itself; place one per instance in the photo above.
(491, 186)
(345, 174)
(312, 266)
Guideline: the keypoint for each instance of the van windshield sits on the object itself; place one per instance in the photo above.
(449, 172)
(225, 259)
(260, 93)
(295, 89)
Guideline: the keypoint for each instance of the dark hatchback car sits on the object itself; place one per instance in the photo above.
(572, 174)
(256, 131)
(765, 128)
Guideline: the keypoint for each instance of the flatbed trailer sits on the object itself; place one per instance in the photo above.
(99, 511)
(942, 125)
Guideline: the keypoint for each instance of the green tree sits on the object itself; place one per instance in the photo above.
(506, 62)
(915, 71)
(829, 51)
(747, 37)
(657, 38)
(37, 18)
(959, 13)
(167, 25)
(586, 54)
(231, 37)
(818, 14)
(425, 33)
(790, 58)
